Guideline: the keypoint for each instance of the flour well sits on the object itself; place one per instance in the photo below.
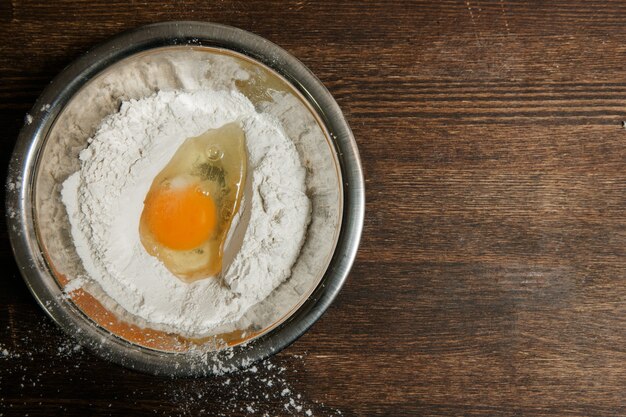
(104, 200)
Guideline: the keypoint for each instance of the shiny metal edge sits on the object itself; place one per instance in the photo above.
(24, 160)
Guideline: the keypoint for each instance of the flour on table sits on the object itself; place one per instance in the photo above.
(104, 200)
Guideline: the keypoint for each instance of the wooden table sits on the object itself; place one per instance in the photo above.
(491, 278)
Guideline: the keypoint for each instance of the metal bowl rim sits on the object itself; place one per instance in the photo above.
(32, 137)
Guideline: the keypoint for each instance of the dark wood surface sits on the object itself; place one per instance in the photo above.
(491, 278)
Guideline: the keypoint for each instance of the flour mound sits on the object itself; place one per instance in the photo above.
(104, 200)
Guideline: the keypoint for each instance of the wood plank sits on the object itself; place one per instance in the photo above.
(491, 278)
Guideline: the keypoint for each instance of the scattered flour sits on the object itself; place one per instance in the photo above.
(74, 285)
(104, 200)
(41, 359)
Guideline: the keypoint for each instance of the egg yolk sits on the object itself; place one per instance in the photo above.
(180, 218)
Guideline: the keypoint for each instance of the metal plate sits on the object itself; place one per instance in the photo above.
(28, 250)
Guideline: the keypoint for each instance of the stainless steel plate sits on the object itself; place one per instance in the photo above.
(32, 156)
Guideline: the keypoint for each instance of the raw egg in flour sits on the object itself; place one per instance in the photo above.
(190, 205)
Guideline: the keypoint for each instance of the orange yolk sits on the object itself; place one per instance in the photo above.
(180, 218)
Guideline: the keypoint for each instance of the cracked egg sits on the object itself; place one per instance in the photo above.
(190, 205)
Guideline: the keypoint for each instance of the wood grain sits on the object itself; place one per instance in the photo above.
(491, 278)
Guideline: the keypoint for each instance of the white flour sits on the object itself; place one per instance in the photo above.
(104, 200)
